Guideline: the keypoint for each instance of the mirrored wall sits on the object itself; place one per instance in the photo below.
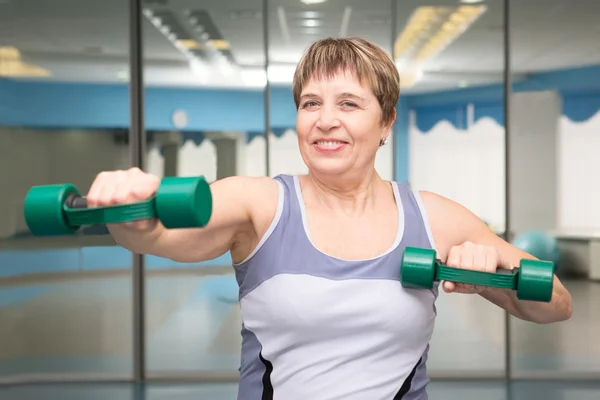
(216, 100)
(65, 302)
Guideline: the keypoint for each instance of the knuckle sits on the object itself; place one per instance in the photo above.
(102, 175)
(140, 192)
(119, 198)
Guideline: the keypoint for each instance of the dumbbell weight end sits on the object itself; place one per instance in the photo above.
(43, 210)
(184, 202)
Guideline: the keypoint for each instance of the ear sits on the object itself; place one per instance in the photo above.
(388, 129)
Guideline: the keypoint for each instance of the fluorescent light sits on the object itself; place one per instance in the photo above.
(313, 1)
(189, 44)
(310, 23)
(220, 44)
(471, 1)
(429, 31)
(11, 65)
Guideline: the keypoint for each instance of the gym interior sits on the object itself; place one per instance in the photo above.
(498, 111)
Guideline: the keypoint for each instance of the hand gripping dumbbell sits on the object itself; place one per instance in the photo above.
(533, 279)
(179, 202)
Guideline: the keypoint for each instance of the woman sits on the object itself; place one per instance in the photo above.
(317, 256)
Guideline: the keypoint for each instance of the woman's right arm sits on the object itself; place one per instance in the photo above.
(238, 204)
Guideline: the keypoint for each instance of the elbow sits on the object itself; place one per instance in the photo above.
(561, 311)
(565, 307)
(566, 311)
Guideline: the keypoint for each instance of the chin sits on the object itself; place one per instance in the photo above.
(329, 166)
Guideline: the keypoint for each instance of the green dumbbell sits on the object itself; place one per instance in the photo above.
(61, 210)
(533, 279)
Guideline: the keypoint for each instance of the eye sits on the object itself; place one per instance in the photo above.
(349, 104)
(310, 103)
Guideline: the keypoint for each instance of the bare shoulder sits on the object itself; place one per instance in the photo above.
(451, 223)
(259, 196)
(255, 190)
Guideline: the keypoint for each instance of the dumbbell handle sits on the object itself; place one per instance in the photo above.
(76, 201)
(503, 278)
(77, 213)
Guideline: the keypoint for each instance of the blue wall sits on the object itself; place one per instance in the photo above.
(579, 88)
(92, 106)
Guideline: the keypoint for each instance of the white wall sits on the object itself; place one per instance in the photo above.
(579, 174)
(29, 158)
(468, 167)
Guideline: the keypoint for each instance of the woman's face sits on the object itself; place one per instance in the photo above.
(339, 125)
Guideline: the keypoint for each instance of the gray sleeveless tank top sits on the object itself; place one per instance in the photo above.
(319, 327)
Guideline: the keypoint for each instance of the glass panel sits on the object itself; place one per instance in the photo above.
(449, 140)
(65, 301)
(555, 190)
(205, 77)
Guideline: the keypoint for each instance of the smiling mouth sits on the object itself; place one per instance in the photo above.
(329, 146)
(331, 143)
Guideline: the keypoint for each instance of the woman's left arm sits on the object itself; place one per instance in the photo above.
(464, 241)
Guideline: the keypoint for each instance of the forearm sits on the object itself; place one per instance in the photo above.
(139, 242)
(558, 309)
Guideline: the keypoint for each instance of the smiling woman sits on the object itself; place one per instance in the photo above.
(346, 91)
(334, 236)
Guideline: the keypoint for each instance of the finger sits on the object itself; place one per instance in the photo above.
(481, 262)
(134, 186)
(467, 261)
(467, 257)
(453, 259)
(481, 259)
(144, 188)
(96, 194)
(457, 258)
(115, 192)
(449, 287)
(468, 289)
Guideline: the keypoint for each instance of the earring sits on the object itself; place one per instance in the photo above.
(382, 142)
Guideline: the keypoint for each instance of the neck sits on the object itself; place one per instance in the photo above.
(349, 194)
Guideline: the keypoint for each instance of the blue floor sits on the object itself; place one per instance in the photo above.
(459, 390)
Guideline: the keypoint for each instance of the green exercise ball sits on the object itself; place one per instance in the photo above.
(539, 244)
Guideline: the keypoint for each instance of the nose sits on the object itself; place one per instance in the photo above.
(328, 118)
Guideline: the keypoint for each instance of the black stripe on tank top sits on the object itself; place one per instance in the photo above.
(407, 383)
(267, 393)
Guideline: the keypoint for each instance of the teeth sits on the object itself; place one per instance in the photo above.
(328, 143)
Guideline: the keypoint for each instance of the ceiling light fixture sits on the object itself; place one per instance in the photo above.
(309, 2)
(429, 31)
(310, 23)
(11, 65)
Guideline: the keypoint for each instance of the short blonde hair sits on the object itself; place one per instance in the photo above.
(368, 61)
